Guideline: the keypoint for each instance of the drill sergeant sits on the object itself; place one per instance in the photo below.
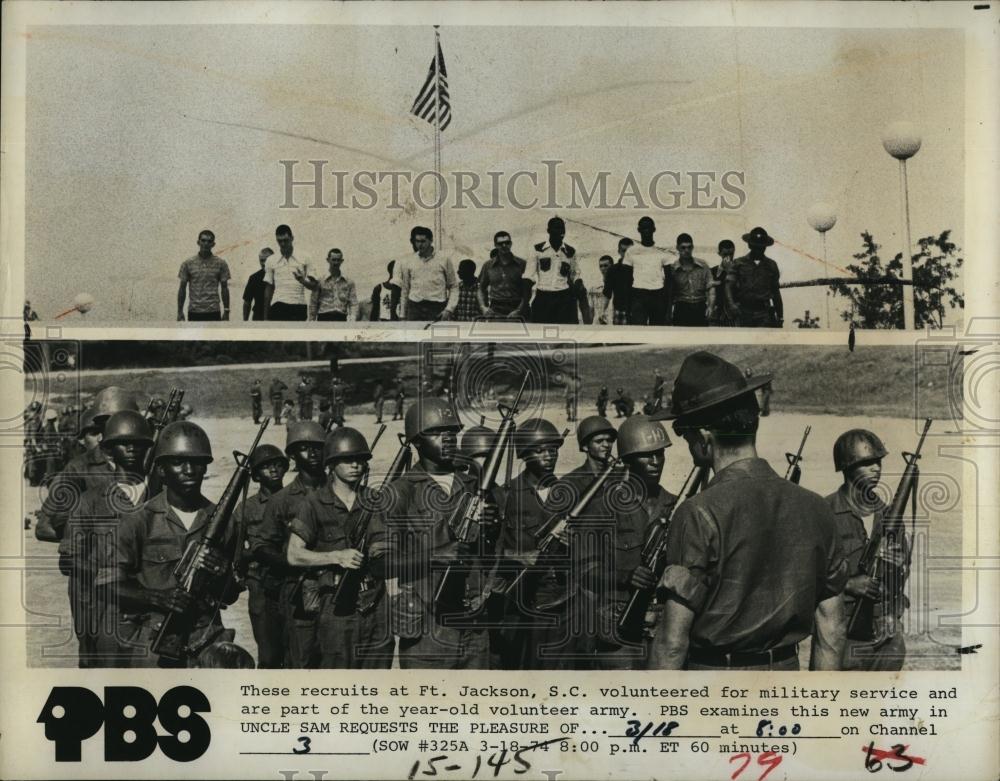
(88, 543)
(858, 454)
(139, 579)
(424, 500)
(268, 466)
(321, 539)
(752, 291)
(83, 472)
(268, 543)
(637, 503)
(540, 636)
(731, 602)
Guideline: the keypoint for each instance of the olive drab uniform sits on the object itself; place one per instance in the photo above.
(305, 397)
(618, 551)
(417, 524)
(277, 395)
(92, 469)
(151, 542)
(361, 639)
(88, 545)
(888, 651)
(302, 645)
(267, 619)
(752, 284)
(256, 402)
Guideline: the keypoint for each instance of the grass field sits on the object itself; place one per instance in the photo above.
(878, 381)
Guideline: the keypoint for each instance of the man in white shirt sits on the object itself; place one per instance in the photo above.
(428, 283)
(286, 281)
(553, 273)
(649, 296)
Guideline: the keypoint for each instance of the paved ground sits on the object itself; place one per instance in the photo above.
(934, 594)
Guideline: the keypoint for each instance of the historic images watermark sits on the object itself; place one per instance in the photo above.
(317, 184)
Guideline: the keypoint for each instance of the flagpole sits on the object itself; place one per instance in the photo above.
(438, 221)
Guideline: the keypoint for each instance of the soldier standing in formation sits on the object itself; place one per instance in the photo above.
(276, 394)
(602, 401)
(305, 396)
(379, 399)
(264, 579)
(859, 512)
(140, 582)
(731, 603)
(322, 540)
(256, 402)
(88, 542)
(398, 399)
(304, 446)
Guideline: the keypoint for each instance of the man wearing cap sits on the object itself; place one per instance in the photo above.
(752, 291)
(83, 472)
(856, 505)
(139, 581)
(536, 635)
(324, 544)
(690, 284)
(503, 291)
(207, 277)
(602, 401)
(553, 273)
(304, 392)
(286, 280)
(419, 520)
(616, 566)
(427, 281)
(268, 541)
(649, 281)
(753, 562)
(86, 546)
(276, 393)
(268, 466)
(254, 291)
(623, 404)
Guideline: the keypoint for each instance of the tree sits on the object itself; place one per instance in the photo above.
(935, 269)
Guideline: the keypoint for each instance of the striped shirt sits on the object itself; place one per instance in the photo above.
(287, 289)
(203, 277)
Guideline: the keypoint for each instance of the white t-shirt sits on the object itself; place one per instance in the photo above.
(287, 290)
(444, 481)
(187, 518)
(543, 493)
(133, 491)
(647, 266)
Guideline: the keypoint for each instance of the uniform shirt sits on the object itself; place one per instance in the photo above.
(501, 280)
(690, 285)
(255, 391)
(249, 517)
(753, 283)
(553, 270)
(277, 389)
(417, 523)
(326, 524)
(427, 279)
(203, 276)
(524, 514)
(334, 294)
(278, 272)
(752, 555)
(647, 266)
(254, 293)
(273, 530)
(91, 470)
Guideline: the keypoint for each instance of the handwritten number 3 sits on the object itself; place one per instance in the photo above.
(305, 746)
(768, 759)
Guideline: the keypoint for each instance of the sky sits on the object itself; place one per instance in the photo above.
(139, 137)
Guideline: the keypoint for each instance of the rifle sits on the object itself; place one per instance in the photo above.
(794, 471)
(345, 598)
(170, 412)
(873, 563)
(204, 582)
(547, 537)
(451, 590)
(633, 616)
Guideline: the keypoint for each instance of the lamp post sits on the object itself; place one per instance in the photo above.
(902, 141)
(822, 218)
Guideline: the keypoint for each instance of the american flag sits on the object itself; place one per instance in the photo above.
(424, 106)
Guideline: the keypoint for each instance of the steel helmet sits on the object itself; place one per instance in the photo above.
(111, 400)
(639, 434)
(592, 426)
(304, 431)
(128, 425)
(346, 442)
(534, 433)
(855, 446)
(87, 422)
(183, 439)
(477, 441)
(264, 454)
(429, 413)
